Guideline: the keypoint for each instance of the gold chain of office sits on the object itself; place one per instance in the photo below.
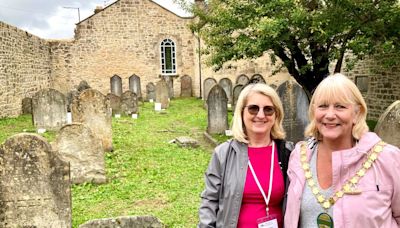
(350, 185)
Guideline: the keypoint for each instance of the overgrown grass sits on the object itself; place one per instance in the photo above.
(146, 174)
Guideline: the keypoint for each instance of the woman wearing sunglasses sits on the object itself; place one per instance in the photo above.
(245, 180)
(343, 176)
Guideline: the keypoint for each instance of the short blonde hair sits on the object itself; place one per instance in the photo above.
(340, 88)
(238, 128)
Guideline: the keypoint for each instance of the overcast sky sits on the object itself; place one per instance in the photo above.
(49, 19)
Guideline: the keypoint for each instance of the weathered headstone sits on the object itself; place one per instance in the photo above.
(242, 79)
(34, 183)
(93, 109)
(226, 84)
(49, 108)
(82, 86)
(79, 146)
(116, 85)
(170, 84)
(236, 92)
(125, 222)
(388, 126)
(186, 86)
(295, 106)
(162, 94)
(71, 95)
(151, 91)
(27, 105)
(129, 103)
(207, 86)
(217, 111)
(257, 78)
(115, 103)
(135, 86)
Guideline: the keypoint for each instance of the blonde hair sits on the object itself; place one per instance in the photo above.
(340, 88)
(238, 128)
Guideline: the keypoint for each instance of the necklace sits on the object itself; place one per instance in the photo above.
(350, 185)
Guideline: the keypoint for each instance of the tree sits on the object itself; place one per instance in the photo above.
(307, 35)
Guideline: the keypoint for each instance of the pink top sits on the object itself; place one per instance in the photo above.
(253, 204)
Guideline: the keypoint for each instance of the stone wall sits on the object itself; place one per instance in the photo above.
(380, 86)
(24, 68)
(123, 39)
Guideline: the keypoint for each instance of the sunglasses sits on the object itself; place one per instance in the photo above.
(254, 109)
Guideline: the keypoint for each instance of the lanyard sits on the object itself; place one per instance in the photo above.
(270, 178)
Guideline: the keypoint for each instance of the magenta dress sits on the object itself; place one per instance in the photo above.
(253, 203)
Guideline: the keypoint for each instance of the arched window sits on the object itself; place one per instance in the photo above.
(168, 58)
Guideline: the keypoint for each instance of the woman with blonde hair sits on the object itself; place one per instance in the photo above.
(245, 180)
(343, 176)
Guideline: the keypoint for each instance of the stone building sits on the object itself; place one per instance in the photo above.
(131, 37)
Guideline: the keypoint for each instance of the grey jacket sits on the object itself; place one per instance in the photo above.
(220, 204)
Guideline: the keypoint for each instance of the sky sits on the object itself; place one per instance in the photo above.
(56, 19)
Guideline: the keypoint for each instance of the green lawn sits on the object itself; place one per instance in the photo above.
(146, 174)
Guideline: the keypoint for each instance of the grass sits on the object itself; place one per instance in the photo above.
(146, 174)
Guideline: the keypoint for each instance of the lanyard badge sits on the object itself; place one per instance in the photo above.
(270, 221)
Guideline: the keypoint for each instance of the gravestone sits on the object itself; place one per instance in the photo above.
(27, 105)
(79, 146)
(116, 85)
(207, 86)
(236, 92)
(257, 78)
(242, 79)
(129, 103)
(170, 83)
(49, 109)
(93, 109)
(226, 84)
(134, 86)
(82, 86)
(151, 91)
(388, 126)
(115, 103)
(295, 106)
(125, 222)
(217, 111)
(34, 183)
(186, 86)
(71, 95)
(162, 94)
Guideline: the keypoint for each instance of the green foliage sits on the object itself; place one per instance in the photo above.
(146, 175)
(306, 35)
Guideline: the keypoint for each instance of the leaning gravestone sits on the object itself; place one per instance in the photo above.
(93, 109)
(388, 126)
(295, 106)
(49, 108)
(236, 92)
(162, 94)
(27, 105)
(226, 84)
(116, 85)
(217, 111)
(257, 78)
(115, 102)
(186, 86)
(134, 86)
(79, 146)
(242, 79)
(129, 103)
(209, 83)
(151, 91)
(125, 222)
(170, 84)
(34, 183)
